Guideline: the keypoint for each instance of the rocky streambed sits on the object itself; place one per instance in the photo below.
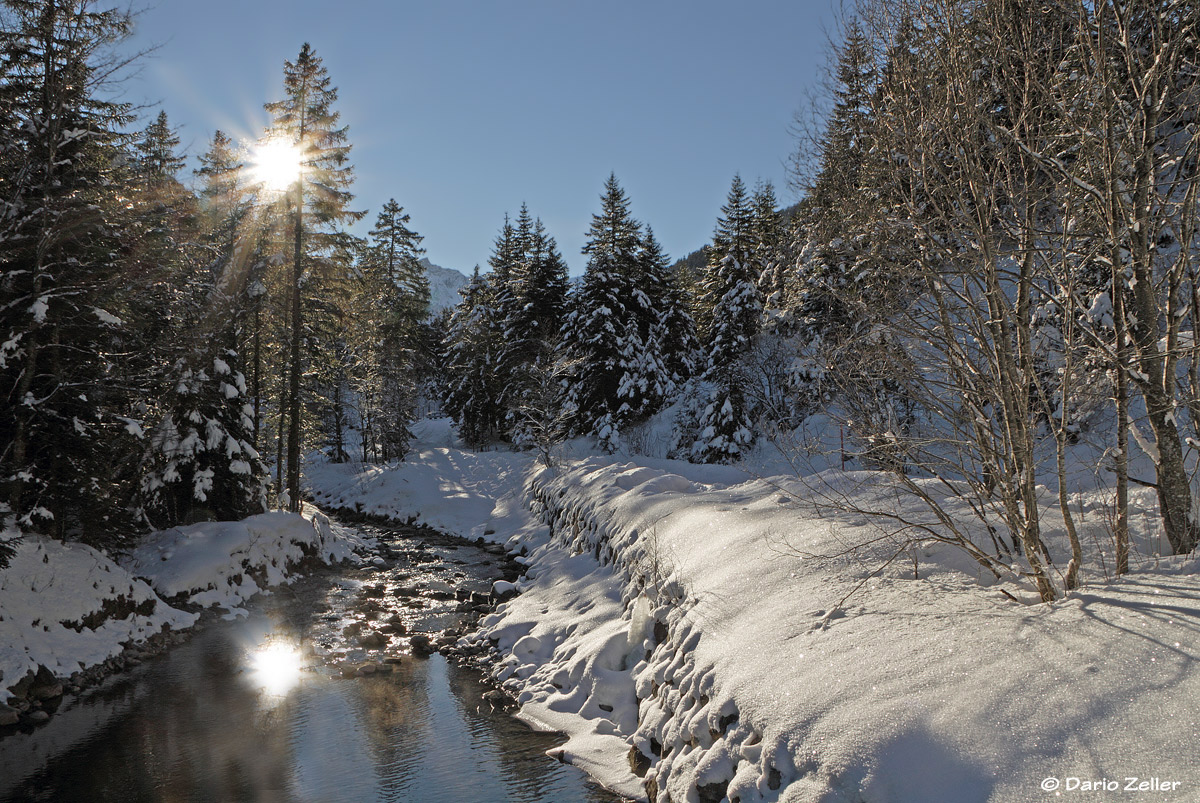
(347, 684)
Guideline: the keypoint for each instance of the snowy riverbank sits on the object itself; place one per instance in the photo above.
(676, 624)
(68, 607)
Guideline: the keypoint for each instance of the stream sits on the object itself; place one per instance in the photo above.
(313, 697)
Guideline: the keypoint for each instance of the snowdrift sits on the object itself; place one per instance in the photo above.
(679, 625)
(930, 689)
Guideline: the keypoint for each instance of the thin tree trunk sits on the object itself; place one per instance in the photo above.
(293, 436)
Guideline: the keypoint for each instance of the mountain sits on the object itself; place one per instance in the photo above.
(444, 284)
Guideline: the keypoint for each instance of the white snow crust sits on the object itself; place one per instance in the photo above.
(686, 612)
(46, 593)
(51, 589)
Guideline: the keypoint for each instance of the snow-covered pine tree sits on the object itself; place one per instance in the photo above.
(319, 204)
(832, 242)
(531, 334)
(68, 458)
(507, 262)
(600, 337)
(199, 460)
(472, 353)
(735, 315)
(394, 304)
(730, 284)
(768, 228)
(673, 331)
(200, 463)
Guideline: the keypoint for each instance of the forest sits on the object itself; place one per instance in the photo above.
(993, 262)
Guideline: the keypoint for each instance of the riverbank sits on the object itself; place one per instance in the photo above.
(70, 615)
(322, 692)
(689, 628)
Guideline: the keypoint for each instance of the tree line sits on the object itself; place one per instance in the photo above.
(160, 345)
(994, 262)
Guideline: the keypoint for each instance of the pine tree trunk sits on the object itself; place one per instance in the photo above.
(293, 440)
(257, 368)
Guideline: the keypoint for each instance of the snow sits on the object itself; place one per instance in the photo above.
(698, 609)
(444, 284)
(440, 486)
(107, 317)
(66, 606)
(48, 592)
(215, 563)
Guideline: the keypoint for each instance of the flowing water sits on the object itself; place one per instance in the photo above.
(278, 706)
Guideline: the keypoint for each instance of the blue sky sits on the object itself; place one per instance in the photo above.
(464, 110)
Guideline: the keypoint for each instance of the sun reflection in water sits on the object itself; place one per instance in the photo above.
(275, 667)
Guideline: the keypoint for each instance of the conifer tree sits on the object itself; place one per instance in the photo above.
(600, 333)
(472, 352)
(393, 308)
(157, 157)
(223, 199)
(673, 336)
(531, 332)
(767, 225)
(734, 305)
(730, 285)
(69, 452)
(319, 203)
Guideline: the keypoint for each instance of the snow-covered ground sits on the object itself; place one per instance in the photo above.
(681, 624)
(67, 606)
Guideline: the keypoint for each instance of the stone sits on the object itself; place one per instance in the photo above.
(421, 645)
(38, 717)
(46, 692)
(373, 640)
(366, 669)
(503, 590)
(8, 716)
(639, 762)
(20, 689)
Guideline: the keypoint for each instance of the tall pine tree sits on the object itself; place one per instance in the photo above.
(319, 204)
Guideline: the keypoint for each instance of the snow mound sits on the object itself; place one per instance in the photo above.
(67, 607)
(652, 481)
(447, 489)
(225, 563)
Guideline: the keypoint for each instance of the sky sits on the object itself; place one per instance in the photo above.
(462, 111)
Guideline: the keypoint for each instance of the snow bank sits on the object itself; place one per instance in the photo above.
(67, 607)
(677, 624)
(925, 690)
(225, 563)
(475, 495)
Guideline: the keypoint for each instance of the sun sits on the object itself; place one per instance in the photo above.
(275, 163)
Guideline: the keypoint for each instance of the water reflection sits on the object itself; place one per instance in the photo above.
(274, 667)
(245, 711)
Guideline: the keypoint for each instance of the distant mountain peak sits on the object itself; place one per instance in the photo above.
(444, 284)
